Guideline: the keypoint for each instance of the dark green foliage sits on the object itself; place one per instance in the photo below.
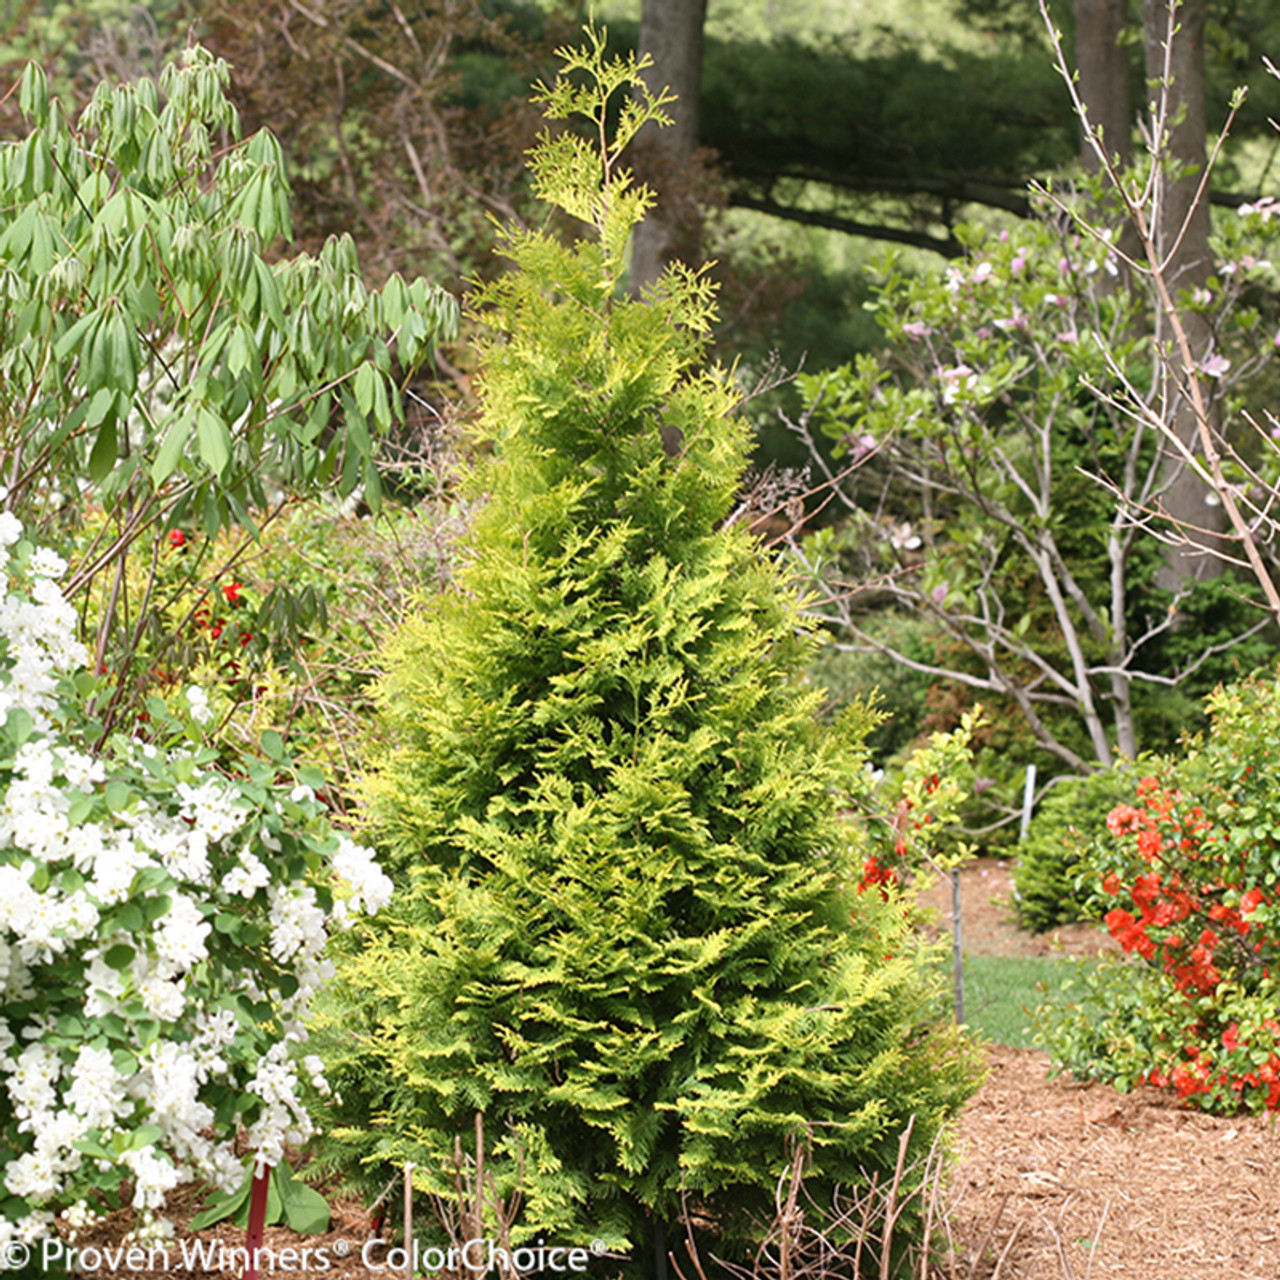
(891, 131)
(627, 933)
(1069, 819)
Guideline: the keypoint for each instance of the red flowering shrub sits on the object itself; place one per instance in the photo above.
(1187, 885)
(909, 820)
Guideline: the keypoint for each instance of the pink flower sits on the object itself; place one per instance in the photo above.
(1016, 321)
(1018, 264)
(918, 329)
(1215, 366)
(1264, 208)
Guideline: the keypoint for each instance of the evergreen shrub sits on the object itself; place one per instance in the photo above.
(629, 934)
(1072, 816)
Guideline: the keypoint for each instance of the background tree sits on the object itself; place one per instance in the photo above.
(1173, 48)
(974, 506)
(163, 381)
(671, 40)
(1103, 66)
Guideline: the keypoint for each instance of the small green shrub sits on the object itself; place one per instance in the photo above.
(1072, 816)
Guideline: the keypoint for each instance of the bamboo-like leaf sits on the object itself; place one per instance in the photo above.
(172, 448)
(213, 440)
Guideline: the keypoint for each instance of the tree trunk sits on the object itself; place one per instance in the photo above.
(1104, 79)
(671, 34)
(1187, 264)
(1103, 68)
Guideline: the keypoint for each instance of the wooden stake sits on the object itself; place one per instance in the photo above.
(408, 1217)
(257, 1221)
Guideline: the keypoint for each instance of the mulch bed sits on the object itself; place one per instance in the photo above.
(1048, 1167)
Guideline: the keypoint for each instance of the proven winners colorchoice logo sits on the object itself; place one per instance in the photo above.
(478, 1256)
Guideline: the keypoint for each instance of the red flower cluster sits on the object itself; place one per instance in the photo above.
(215, 625)
(1191, 916)
(874, 875)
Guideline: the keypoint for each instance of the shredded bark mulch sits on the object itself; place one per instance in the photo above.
(1056, 1178)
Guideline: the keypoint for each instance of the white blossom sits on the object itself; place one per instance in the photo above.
(158, 864)
(372, 888)
(198, 705)
(98, 1091)
(180, 940)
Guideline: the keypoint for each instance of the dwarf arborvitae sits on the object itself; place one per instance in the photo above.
(626, 931)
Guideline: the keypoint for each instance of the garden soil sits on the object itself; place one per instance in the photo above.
(1062, 1181)
(1054, 1181)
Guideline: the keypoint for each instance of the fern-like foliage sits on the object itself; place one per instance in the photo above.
(626, 932)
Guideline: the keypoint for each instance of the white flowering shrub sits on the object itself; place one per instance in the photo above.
(162, 930)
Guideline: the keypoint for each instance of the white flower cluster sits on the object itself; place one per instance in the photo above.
(163, 897)
(39, 632)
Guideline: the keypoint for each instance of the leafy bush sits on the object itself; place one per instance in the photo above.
(162, 929)
(1070, 818)
(629, 934)
(162, 369)
(289, 639)
(1187, 884)
(968, 453)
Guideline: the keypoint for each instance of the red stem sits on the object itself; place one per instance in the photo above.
(257, 1221)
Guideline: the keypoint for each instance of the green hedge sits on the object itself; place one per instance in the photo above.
(1072, 815)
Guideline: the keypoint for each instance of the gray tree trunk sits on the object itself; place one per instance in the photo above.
(1104, 78)
(671, 34)
(1189, 263)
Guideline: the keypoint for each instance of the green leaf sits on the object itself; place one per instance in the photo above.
(154, 908)
(128, 919)
(146, 1136)
(18, 725)
(171, 448)
(214, 440)
(365, 387)
(105, 448)
(224, 1204)
(119, 957)
(118, 795)
(305, 1209)
(269, 292)
(70, 342)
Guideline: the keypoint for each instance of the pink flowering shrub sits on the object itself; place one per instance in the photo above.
(162, 932)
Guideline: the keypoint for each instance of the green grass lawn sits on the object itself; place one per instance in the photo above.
(1000, 992)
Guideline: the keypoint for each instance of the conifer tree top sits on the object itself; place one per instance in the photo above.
(596, 396)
